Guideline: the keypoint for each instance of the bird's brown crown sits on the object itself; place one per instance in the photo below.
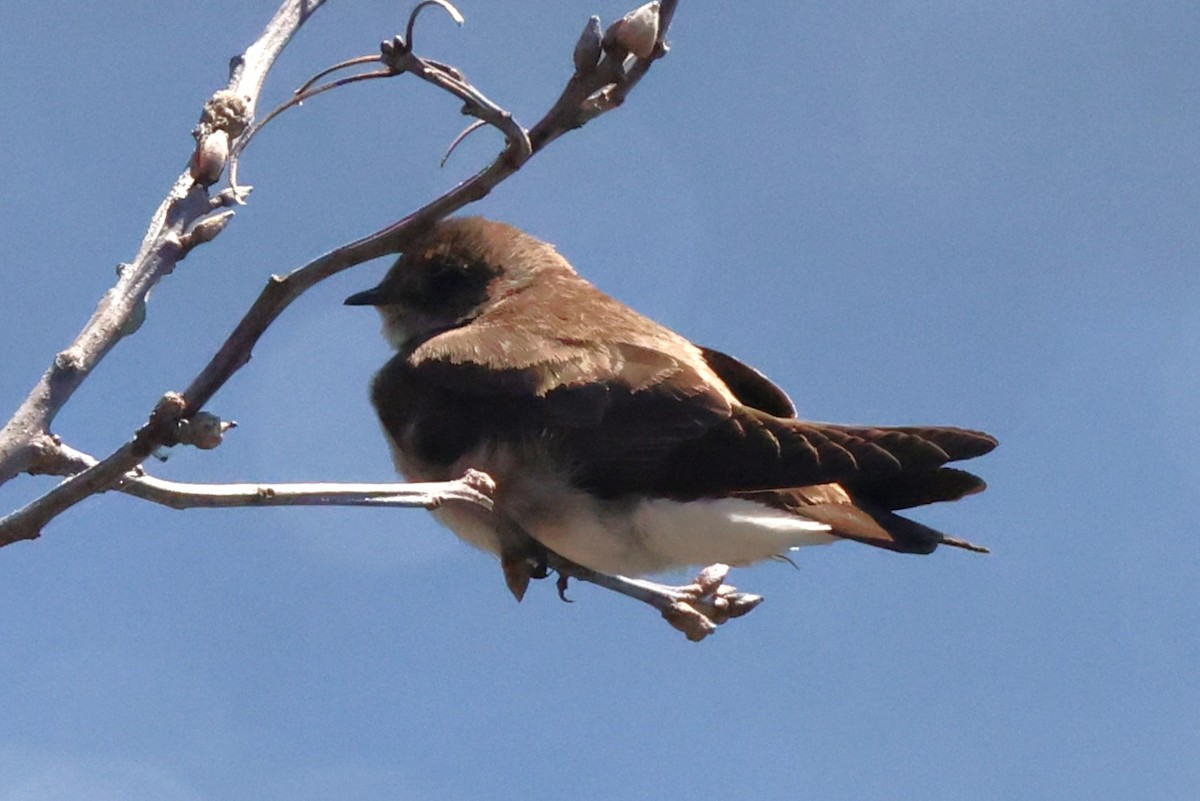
(452, 274)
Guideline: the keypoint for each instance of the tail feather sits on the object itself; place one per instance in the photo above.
(854, 519)
(919, 488)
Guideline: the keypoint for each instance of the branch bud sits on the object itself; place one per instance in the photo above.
(636, 33)
(207, 229)
(203, 430)
(587, 49)
(208, 162)
(711, 578)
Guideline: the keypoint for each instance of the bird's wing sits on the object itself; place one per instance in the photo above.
(567, 353)
(751, 450)
(748, 385)
(632, 402)
(636, 408)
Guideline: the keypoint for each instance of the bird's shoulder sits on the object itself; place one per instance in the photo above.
(562, 333)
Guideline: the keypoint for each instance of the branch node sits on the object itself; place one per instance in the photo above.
(157, 431)
(168, 409)
(47, 450)
(225, 111)
(69, 360)
(203, 430)
(395, 54)
(224, 118)
(231, 196)
(479, 481)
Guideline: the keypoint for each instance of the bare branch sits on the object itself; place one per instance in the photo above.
(27, 522)
(473, 487)
(574, 108)
(432, 495)
(119, 311)
(249, 71)
(591, 91)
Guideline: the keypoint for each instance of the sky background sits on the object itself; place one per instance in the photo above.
(904, 212)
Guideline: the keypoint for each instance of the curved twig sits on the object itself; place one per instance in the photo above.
(396, 55)
(341, 65)
(475, 126)
(449, 8)
(298, 98)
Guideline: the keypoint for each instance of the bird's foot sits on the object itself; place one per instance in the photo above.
(520, 568)
(707, 603)
(696, 609)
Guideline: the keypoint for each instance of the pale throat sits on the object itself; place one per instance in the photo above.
(393, 326)
(404, 327)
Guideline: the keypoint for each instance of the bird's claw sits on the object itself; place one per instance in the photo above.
(698, 608)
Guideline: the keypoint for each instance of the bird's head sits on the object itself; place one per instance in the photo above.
(452, 275)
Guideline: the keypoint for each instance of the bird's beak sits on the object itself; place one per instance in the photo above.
(368, 297)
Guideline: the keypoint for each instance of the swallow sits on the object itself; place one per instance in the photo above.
(615, 442)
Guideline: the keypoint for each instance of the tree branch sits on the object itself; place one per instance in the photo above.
(25, 439)
(473, 487)
(605, 71)
(577, 105)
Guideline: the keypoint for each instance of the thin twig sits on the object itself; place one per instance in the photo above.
(473, 487)
(470, 129)
(179, 495)
(299, 97)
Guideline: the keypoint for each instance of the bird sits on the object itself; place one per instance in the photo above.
(615, 442)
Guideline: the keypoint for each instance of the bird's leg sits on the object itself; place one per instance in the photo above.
(696, 609)
(521, 557)
(520, 566)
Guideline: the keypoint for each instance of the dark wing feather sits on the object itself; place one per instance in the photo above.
(749, 385)
(562, 357)
(751, 451)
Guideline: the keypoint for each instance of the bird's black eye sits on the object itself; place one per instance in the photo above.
(447, 286)
(444, 278)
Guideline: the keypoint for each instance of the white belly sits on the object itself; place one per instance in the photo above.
(626, 537)
(656, 535)
(648, 536)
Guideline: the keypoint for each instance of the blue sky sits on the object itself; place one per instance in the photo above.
(935, 212)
